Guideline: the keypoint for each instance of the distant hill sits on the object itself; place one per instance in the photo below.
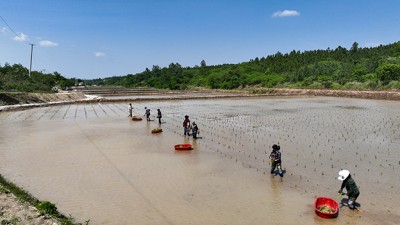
(375, 68)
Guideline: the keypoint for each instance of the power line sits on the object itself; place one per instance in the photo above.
(13, 30)
(30, 62)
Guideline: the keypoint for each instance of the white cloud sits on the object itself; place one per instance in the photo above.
(3, 30)
(99, 54)
(21, 37)
(46, 43)
(286, 13)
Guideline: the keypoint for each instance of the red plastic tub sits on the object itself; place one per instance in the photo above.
(183, 147)
(331, 203)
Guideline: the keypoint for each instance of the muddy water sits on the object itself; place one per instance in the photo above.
(96, 164)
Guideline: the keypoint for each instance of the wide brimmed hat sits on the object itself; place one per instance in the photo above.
(343, 174)
(276, 147)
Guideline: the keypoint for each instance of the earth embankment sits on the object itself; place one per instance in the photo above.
(27, 100)
(378, 95)
(14, 98)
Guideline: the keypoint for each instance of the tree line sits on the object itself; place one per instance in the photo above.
(16, 78)
(372, 68)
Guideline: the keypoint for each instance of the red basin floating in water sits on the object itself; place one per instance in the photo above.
(183, 147)
(326, 203)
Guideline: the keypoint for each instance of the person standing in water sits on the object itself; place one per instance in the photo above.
(186, 126)
(130, 109)
(276, 161)
(195, 130)
(159, 115)
(147, 113)
(352, 190)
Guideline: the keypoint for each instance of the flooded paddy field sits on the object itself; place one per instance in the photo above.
(94, 163)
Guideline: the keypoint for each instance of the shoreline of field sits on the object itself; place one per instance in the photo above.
(23, 101)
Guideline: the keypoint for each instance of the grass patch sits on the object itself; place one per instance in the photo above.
(44, 207)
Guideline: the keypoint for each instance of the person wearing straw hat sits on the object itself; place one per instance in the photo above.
(352, 190)
(276, 161)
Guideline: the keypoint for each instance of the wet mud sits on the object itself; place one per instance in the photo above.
(95, 163)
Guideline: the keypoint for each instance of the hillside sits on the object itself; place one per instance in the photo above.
(374, 68)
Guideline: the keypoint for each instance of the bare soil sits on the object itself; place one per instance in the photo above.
(13, 211)
(11, 98)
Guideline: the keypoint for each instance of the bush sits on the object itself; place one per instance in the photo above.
(316, 85)
(394, 85)
(372, 85)
(370, 77)
(353, 86)
(336, 86)
(47, 207)
(307, 81)
(388, 72)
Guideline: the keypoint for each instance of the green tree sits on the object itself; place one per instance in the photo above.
(354, 47)
(203, 63)
(388, 72)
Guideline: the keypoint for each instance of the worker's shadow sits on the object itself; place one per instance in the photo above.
(345, 202)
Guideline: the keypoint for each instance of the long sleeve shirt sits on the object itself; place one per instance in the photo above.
(351, 186)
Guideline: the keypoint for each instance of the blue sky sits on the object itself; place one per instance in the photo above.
(103, 38)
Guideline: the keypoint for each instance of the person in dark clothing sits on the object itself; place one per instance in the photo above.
(276, 161)
(159, 115)
(352, 190)
(147, 113)
(195, 130)
(186, 126)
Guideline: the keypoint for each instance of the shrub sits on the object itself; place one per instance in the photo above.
(336, 86)
(394, 85)
(316, 85)
(372, 85)
(47, 207)
(353, 86)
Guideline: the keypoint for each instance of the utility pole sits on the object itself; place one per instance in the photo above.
(30, 65)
